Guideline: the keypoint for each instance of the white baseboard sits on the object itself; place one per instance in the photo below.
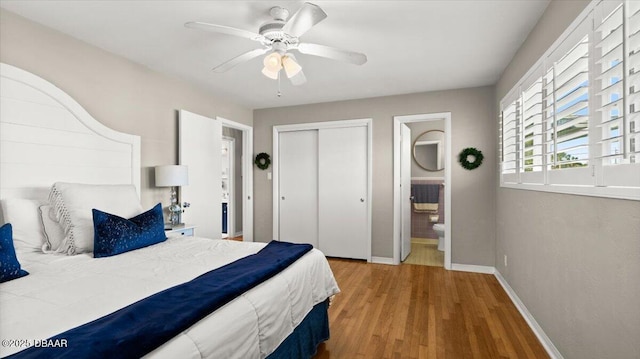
(382, 260)
(473, 268)
(551, 349)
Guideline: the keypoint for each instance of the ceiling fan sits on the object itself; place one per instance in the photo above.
(278, 38)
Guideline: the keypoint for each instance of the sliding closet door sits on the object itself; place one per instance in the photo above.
(343, 202)
(298, 186)
(200, 150)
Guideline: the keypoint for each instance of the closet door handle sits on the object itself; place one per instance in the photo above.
(283, 198)
(361, 199)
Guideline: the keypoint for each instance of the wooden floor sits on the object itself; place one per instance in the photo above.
(411, 311)
(424, 251)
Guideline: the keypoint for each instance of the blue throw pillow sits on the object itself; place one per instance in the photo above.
(9, 266)
(114, 235)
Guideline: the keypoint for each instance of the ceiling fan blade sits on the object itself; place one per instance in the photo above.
(240, 59)
(298, 79)
(333, 53)
(304, 19)
(221, 29)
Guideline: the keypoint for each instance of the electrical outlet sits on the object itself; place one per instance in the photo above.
(505, 260)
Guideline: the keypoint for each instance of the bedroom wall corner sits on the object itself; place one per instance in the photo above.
(121, 94)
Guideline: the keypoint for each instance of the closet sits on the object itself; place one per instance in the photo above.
(322, 184)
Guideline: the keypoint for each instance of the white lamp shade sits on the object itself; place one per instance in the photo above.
(270, 74)
(172, 175)
(273, 62)
(290, 65)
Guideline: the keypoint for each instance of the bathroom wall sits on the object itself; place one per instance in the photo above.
(421, 225)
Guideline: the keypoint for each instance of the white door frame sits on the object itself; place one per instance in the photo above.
(231, 178)
(397, 198)
(368, 122)
(247, 176)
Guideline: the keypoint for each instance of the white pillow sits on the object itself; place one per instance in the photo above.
(73, 203)
(28, 233)
(53, 231)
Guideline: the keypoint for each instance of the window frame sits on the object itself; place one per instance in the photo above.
(588, 180)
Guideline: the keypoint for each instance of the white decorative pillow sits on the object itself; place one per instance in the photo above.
(53, 231)
(73, 202)
(28, 233)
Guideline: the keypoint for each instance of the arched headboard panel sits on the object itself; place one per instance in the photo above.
(46, 137)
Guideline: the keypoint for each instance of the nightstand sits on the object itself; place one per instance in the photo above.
(186, 230)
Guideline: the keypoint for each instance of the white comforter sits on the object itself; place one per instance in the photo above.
(63, 292)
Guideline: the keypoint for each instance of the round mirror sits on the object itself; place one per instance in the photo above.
(428, 150)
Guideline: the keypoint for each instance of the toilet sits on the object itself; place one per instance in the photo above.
(439, 229)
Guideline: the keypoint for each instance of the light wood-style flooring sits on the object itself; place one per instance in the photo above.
(411, 311)
(424, 251)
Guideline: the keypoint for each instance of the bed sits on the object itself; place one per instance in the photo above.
(46, 137)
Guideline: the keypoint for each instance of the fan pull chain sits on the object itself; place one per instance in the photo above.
(279, 93)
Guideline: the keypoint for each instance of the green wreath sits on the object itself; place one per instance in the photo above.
(262, 161)
(463, 158)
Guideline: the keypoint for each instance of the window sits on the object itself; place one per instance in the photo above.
(572, 124)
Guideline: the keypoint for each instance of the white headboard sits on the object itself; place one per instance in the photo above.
(46, 137)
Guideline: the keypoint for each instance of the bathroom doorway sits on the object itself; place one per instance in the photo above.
(422, 197)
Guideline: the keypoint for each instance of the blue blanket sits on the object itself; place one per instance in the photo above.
(141, 327)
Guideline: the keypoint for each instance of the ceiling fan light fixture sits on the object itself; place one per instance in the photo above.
(291, 67)
(273, 62)
(270, 74)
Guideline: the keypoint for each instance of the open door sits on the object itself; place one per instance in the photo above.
(405, 190)
(200, 143)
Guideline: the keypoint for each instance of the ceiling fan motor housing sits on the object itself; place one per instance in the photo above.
(272, 30)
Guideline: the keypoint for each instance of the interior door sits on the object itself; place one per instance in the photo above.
(298, 186)
(343, 199)
(405, 189)
(200, 141)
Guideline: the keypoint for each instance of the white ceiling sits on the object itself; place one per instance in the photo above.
(412, 46)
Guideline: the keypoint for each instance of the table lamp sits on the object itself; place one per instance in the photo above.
(172, 176)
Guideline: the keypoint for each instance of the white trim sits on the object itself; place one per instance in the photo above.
(326, 124)
(231, 182)
(397, 205)
(428, 178)
(382, 260)
(368, 122)
(548, 345)
(473, 268)
(247, 176)
(630, 193)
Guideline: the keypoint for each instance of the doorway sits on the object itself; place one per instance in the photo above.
(404, 207)
(240, 180)
(200, 144)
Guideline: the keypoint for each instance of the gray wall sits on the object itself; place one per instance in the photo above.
(121, 94)
(573, 260)
(473, 192)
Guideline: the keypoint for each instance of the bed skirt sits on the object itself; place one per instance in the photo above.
(304, 341)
